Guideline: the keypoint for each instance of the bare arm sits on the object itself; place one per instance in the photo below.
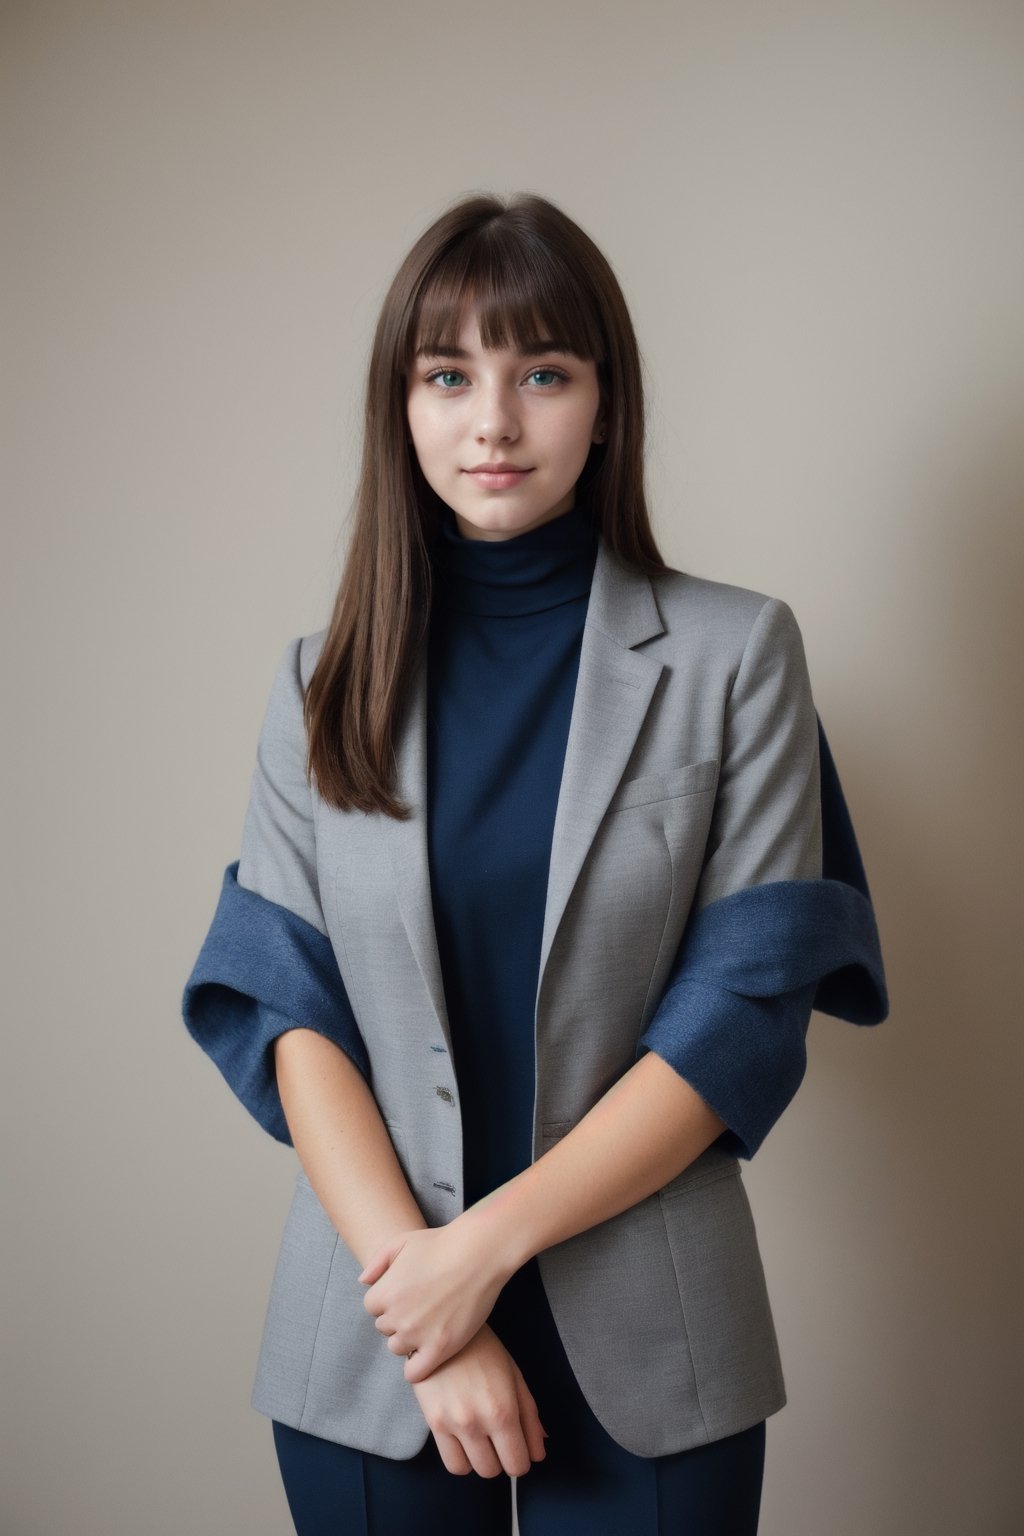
(647, 1128)
(428, 1290)
(477, 1405)
(342, 1142)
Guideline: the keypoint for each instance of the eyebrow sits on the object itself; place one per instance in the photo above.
(540, 348)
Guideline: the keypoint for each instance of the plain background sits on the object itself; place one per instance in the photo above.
(815, 211)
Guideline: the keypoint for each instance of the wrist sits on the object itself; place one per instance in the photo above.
(380, 1234)
(498, 1226)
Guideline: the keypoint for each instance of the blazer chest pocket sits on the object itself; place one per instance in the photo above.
(672, 784)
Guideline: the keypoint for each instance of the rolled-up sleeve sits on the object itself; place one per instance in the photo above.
(267, 964)
(767, 935)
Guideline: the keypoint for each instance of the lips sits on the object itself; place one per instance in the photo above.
(499, 476)
(498, 467)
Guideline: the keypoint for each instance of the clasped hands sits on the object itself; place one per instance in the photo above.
(433, 1288)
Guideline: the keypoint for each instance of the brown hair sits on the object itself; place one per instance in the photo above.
(531, 271)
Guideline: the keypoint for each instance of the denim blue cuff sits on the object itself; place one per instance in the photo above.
(261, 971)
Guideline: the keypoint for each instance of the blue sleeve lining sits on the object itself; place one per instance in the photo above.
(753, 965)
(261, 971)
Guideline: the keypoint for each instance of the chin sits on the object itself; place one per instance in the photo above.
(498, 520)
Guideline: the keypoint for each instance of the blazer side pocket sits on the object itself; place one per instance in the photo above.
(713, 1163)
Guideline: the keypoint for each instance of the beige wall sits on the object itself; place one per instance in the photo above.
(816, 213)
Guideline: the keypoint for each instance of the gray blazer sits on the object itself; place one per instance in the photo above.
(691, 771)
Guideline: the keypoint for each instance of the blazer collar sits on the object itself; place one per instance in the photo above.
(614, 687)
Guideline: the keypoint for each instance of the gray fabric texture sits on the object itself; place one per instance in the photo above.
(691, 771)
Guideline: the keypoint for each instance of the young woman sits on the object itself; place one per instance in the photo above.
(545, 865)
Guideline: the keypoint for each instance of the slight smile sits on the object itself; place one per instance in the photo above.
(499, 476)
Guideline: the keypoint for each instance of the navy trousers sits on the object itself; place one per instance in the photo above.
(588, 1485)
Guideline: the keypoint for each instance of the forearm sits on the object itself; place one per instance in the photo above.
(647, 1128)
(431, 1290)
(342, 1142)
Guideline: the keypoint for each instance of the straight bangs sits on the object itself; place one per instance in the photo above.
(524, 292)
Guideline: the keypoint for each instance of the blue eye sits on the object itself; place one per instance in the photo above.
(551, 374)
(448, 378)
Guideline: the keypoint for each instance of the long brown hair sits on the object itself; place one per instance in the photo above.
(531, 271)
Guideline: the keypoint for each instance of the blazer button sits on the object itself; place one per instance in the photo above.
(445, 1093)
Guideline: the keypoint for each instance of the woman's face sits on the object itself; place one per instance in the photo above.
(502, 436)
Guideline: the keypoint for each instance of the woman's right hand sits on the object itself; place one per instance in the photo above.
(481, 1412)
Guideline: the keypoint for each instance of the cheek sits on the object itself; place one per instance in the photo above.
(423, 428)
(572, 435)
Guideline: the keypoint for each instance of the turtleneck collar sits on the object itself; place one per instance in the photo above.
(528, 573)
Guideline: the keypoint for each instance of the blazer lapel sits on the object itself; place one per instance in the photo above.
(613, 693)
(614, 688)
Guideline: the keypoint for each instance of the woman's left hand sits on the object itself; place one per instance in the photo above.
(431, 1290)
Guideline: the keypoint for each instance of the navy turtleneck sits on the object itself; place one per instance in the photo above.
(528, 573)
(506, 628)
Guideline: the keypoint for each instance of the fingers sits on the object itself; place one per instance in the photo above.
(420, 1360)
(482, 1414)
(512, 1450)
(454, 1457)
(373, 1303)
(396, 1342)
(381, 1261)
(470, 1448)
(400, 1344)
(420, 1363)
(529, 1417)
(482, 1456)
(423, 1356)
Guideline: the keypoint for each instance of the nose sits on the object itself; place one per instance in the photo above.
(497, 420)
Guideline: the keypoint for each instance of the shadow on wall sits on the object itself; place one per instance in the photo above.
(935, 1101)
